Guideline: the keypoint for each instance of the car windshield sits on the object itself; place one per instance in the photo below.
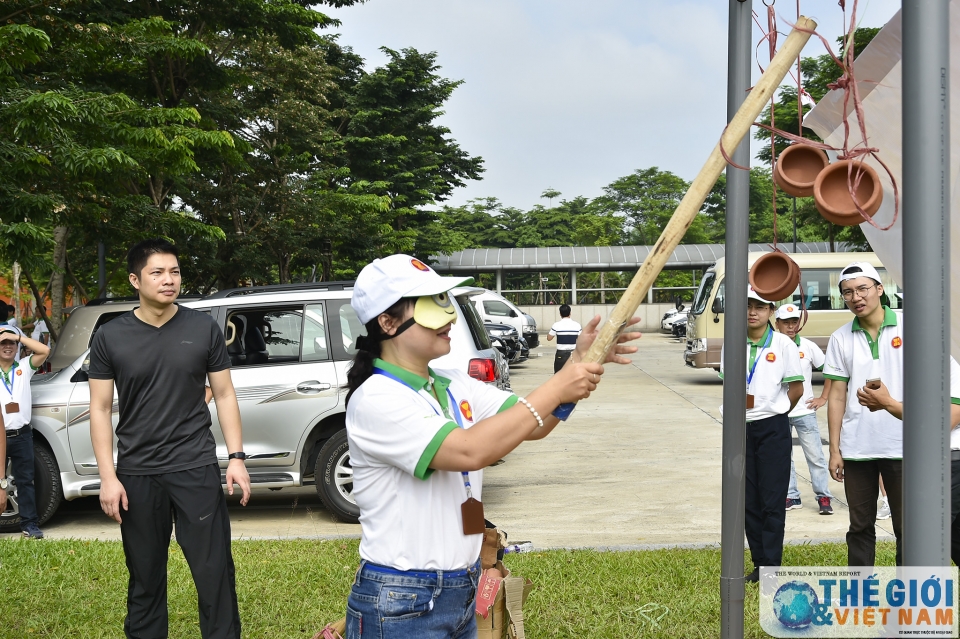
(703, 293)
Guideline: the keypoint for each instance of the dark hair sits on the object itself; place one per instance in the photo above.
(4, 311)
(564, 310)
(368, 347)
(140, 252)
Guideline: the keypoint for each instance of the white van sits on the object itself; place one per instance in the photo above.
(496, 309)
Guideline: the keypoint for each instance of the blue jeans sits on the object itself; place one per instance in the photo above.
(385, 603)
(20, 452)
(809, 434)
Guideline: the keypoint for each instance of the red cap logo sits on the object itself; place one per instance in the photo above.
(771, 357)
(420, 266)
(466, 410)
(896, 342)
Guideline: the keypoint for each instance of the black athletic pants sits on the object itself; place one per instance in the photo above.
(560, 359)
(861, 483)
(195, 500)
(769, 446)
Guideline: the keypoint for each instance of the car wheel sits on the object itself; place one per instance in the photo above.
(46, 482)
(334, 476)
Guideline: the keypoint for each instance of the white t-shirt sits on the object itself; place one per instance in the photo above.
(17, 380)
(566, 331)
(853, 357)
(39, 329)
(811, 359)
(410, 514)
(777, 364)
(954, 399)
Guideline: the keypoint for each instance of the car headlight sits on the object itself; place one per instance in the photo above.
(698, 345)
(498, 333)
(529, 329)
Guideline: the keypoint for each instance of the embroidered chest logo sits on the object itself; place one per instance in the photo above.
(19, 372)
(420, 266)
(896, 342)
(771, 357)
(801, 355)
(466, 410)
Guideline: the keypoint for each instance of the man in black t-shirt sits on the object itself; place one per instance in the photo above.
(159, 356)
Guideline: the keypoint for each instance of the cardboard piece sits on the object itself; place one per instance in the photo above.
(504, 618)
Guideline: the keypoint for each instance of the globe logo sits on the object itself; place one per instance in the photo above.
(794, 604)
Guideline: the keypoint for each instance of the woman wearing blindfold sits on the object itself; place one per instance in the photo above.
(419, 439)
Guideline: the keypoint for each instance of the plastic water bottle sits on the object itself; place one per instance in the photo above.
(523, 546)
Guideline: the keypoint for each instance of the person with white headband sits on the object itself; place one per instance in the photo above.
(419, 439)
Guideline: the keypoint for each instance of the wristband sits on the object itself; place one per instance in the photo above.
(523, 400)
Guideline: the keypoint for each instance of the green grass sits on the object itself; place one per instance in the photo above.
(77, 589)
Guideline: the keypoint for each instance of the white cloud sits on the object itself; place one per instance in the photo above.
(573, 95)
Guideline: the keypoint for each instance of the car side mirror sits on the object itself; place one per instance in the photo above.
(717, 307)
(680, 308)
(513, 313)
(80, 376)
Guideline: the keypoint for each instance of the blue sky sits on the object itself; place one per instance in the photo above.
(572, 95)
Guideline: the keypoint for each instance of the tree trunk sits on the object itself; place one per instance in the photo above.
(15, 297)
(284, 269)
(833, 246)
(57, 289)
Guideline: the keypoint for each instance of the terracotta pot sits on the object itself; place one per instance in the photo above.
(797, 169)
(774, 276)
(833, 196)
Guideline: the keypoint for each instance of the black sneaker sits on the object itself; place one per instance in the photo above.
(793, 504)
(32, 531)
(753, 577)
(825, 507)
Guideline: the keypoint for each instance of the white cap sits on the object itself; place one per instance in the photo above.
(788, 311)
(383, 282)
(7, 328)
(859, 269)
(752, 294)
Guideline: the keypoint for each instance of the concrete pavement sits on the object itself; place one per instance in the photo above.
(636, 465)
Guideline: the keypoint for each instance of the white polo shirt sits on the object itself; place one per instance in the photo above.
(777, 364)
(954, 399)
(410, 514)
(17, 381)
(854, 357)
(566, 331)
(811, 359)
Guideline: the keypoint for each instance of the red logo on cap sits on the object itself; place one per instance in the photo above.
(896, 342)
(771, 357)
(466, 410)
(420, 266)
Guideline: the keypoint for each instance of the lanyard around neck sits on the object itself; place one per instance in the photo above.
(456, 415)
(766, 343)
(9, 379)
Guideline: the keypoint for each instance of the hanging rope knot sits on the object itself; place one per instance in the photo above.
(843, 82)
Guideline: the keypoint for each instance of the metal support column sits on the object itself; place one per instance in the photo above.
(573, 286)
(499, 280)
(926, 275)
(735, 335)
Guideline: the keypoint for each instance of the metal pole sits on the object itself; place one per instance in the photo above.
(926, 275)
(735, 335)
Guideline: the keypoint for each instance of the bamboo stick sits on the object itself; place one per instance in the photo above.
(690, 205)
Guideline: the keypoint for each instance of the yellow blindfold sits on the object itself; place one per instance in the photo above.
(434, 311)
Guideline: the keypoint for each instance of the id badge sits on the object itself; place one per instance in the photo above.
(472, 513)
(12, 407)
(749, 401)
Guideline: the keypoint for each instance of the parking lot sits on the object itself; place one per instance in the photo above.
(637, 465)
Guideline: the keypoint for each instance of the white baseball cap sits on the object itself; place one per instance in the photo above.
(859, 269)
(788, 311)
(752, 294)
(383, 282)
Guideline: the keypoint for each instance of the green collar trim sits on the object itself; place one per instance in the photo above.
(796, 340)
(889, 319)
(416, 382)
(7, 375)
(763, 338)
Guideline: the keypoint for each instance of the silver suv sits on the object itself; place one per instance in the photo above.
(290, 348)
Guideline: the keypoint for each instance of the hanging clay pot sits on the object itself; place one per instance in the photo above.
(774, 276)
(832, 194)
(797, 169)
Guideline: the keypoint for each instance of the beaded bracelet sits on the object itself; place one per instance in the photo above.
(523, 400)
